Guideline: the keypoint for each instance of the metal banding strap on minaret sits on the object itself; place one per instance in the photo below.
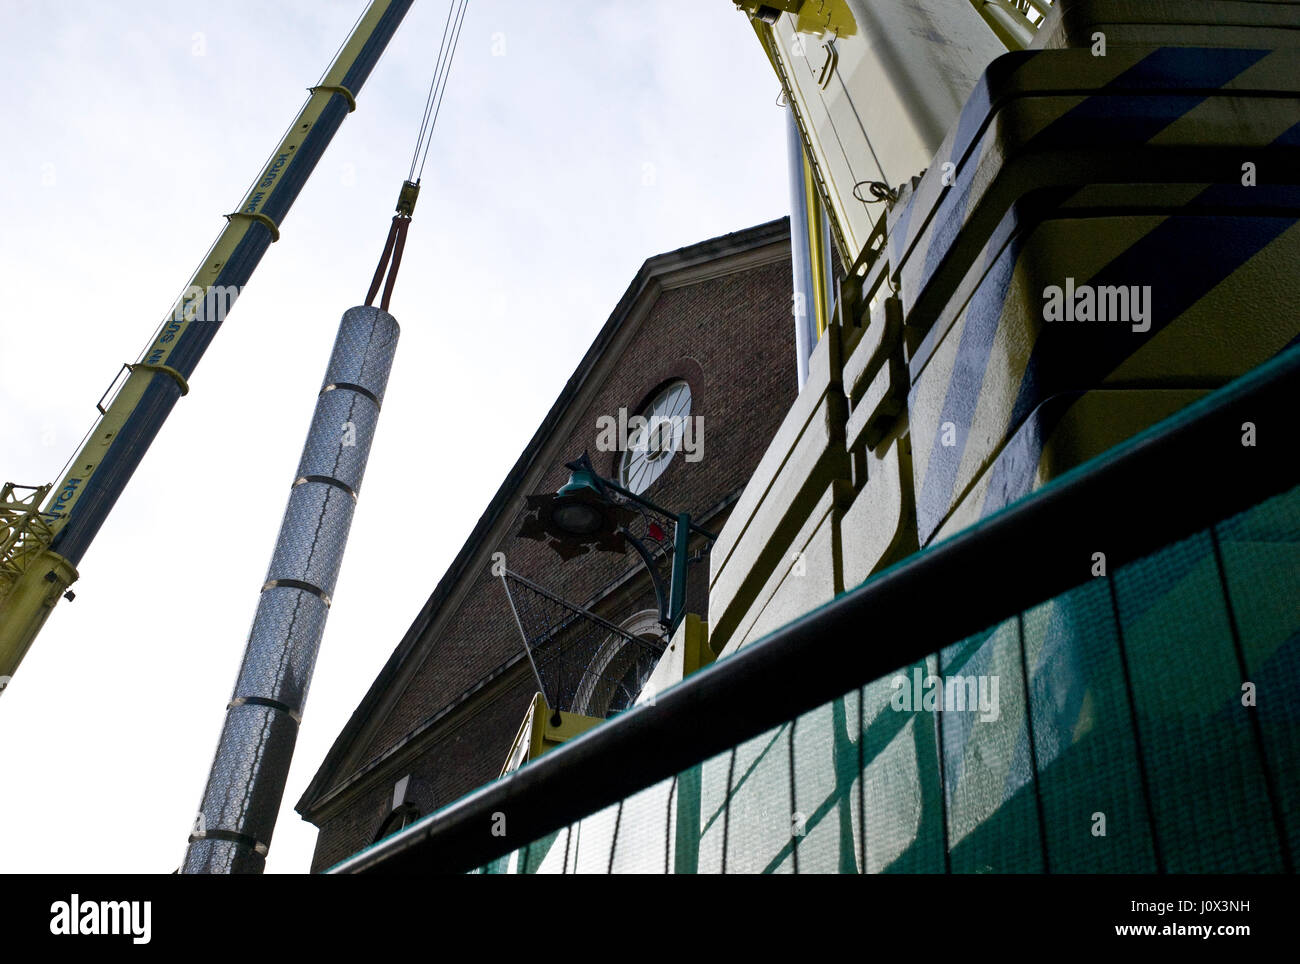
(242, 798)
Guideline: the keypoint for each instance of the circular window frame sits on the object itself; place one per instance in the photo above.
(640, 466)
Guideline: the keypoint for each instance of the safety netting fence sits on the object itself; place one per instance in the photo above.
(1141, 722)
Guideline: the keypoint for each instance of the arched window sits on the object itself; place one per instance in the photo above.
(621, 667)
(398, 819)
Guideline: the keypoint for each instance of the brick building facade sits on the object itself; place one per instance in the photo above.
(440, 718)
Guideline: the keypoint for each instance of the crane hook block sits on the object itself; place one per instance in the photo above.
(406, 200)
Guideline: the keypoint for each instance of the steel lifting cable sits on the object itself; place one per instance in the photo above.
(450, 28)
(442, 87)
(395, 243)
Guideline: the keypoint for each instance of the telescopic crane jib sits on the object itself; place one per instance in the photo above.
(42, 542)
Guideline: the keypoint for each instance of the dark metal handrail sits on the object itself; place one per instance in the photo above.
(1176, 478)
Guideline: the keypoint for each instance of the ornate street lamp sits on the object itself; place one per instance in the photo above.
(582, 516)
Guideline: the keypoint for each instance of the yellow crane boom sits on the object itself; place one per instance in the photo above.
(45, 531)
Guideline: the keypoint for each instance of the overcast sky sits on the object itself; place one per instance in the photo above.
(575, 141)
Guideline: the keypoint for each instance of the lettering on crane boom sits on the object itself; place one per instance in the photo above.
(192, 305)
(199, 303)
(267, 181)
(55, 511)
(168, 334)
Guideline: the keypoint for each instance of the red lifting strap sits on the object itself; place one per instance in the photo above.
(392, 248)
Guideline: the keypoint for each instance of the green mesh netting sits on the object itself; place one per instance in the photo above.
(1119, 742)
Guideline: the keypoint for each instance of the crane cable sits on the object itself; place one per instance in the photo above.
(396, 240)
(438, 85)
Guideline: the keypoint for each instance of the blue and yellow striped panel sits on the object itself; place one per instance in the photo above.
(1222, 280)
(1077, 72)
(1191, 72)
(1223, 23)
(1201, 132)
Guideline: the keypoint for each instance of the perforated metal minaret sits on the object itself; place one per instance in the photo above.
(233, 829)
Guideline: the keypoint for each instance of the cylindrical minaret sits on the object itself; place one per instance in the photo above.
(233, 830)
